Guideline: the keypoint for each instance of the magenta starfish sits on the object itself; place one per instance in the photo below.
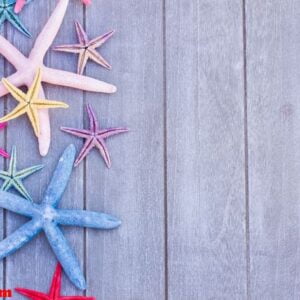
(86, 49)
(95, 137)
(3, 152)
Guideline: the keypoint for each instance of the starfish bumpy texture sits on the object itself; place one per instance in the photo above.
(13, 178)
(7, 13)
(2, 151)
(54, 293)
(86, 49)
(95, 137)
(47, 217)
(30, 103)
(27, 67)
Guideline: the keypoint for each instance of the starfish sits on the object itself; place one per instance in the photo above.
(86, 48)
(26, 69)
(13, 178)
(47, 217)
(2, 151)
(54, 293)
(94, 137)
(7, 13)
(30, 103)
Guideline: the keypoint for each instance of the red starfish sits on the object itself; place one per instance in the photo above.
(3, 152)
(54, 293)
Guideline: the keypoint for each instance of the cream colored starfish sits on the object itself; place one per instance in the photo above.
(29, 103)
(26, 69)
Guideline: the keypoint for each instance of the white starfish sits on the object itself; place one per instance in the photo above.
(26, 69)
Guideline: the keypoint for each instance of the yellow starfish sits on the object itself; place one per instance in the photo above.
(30, 103)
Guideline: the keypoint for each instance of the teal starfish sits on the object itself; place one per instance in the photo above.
(7, 13)
(13, 178)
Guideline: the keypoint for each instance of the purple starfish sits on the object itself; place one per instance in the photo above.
(2, 151)
(95, 137)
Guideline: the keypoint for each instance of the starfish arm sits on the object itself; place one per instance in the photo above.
(60, 177)
(15, 79)
(34, 295)
(81, 34)
(106, 133)
(75, 48)
(13, 161)
(97, 58)
(82, 61)
(49, 32)
(99, 41)
(17, 204)
(15, 92)
(77, 132)
(16, 22)
(11, 53)
(18, 185)
(94, 125)
(89, 219)
(86, 2)
(4, 153)
(18, 111)
(28, 171)
(45, 130)
(100, 144)
(76, 81)
(65, 255)
(19, 5)
(40, 103)
(34, 89)
(88, 145)
(56, 283)
(6, 184)
(3, 125)
(34, 120)
(19, 238)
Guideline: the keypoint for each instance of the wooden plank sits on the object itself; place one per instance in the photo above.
(128, 263)
(33, 266)
(273, 53)
(205, 142)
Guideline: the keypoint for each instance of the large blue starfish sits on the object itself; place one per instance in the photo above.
(7, 13)
(47, 217)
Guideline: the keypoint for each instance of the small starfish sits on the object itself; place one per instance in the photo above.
(7, 13)
(27, 67)
(47, 217)
(94, 137)
(30, 103)
(2, 151)
(54, 293)
(86, 48)
(13, 178)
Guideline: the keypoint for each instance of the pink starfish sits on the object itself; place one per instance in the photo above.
(21, 3)
(94, 137)
(27, 68)
(3, 152)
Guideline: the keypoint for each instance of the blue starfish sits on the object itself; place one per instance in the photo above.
(13, 178)
(47, 217)
(7, 13)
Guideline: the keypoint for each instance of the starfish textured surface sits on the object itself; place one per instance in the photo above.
(86, 49)
(13, 178)
(30, 103)
(55, 290)
(47, 217)
(7, 13)
(95, 137)
(2, 151)
(26, 69)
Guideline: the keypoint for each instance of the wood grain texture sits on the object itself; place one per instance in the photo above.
(205, 142)
(128, 263)
(33, 266)
(273, 55)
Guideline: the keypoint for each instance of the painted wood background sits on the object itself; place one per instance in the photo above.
(207, 182)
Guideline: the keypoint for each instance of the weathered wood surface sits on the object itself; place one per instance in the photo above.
(206, 182)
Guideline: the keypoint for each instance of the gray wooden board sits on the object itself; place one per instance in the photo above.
(273, 55)
(128, 263)
(205, 147)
